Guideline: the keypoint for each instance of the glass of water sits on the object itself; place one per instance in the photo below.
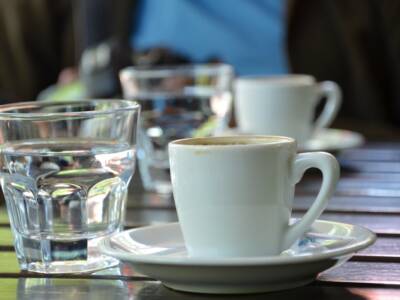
(177, 102)
(65, 169)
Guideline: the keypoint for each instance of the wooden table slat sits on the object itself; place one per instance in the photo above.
(379, 223)
(372, 273)
(374, 166)
(355, 188)
(371, 154)
(62, 289)
(352, 204)
(364, 272)
(8, 263)
(383, 247)
(301, 202)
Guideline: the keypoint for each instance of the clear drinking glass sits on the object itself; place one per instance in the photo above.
(177, 102)
(65, 169)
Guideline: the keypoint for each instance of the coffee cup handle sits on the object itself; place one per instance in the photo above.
(333, 93)
(330, 169)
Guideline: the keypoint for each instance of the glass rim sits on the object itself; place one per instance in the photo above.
(6, 113)
(168, 70)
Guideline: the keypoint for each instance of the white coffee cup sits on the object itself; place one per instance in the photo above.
(284, 105)
(234, 195)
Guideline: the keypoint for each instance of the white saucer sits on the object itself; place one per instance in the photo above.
(333, 140)
(159, 252)
(329, 139)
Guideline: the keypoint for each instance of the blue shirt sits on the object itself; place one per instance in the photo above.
(249, 34)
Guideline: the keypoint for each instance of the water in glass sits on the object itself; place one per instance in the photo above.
(64, 195)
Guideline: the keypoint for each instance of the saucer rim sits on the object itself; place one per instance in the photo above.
(357, 139)
(105, 248)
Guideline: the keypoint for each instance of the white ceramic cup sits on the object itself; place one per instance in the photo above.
(284, 105)
(234, 195)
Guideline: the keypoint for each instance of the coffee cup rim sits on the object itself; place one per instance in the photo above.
(229, 141)
(277, 80)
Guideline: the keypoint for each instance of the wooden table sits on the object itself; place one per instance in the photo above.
(368, 194)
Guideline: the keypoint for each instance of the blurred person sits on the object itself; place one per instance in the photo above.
(250, 34)
(354, 43)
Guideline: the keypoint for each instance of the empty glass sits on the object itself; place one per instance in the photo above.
(65, 172)
(177, 102)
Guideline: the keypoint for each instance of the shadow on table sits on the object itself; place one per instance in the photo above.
(70, 288)
(157, 291)
(99, 289)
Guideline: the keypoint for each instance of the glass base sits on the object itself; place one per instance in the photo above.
(52, 256)
(82, 266)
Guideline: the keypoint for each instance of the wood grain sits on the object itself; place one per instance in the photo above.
(348, 204)
(364, 272)
(8, 263)
(379, 223)
(371, 154)
(383, 247)
(3, 215)
(6, 237)
(352, 187)
(301, 202)
(78, 289)
(371, 166)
